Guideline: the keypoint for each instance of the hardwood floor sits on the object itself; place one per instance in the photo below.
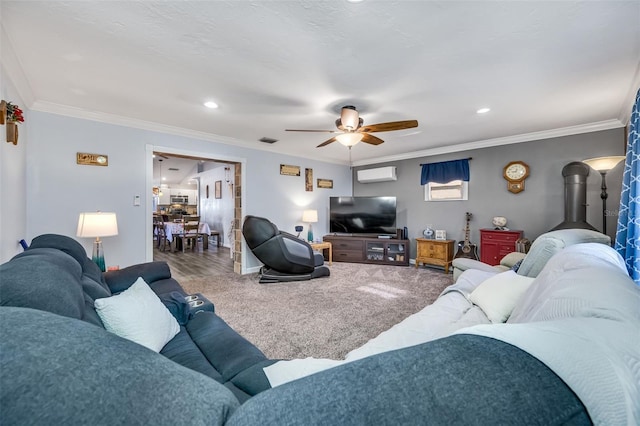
(198, 263)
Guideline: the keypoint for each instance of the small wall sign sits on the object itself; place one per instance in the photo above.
(325, 183)
(87, 159)
(288, 170)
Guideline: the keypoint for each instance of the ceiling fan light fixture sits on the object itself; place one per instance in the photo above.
(349, 139)
(349, 118)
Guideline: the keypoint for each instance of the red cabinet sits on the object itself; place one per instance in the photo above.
(496, 244)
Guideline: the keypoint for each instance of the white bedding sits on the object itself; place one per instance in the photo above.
(580, 317)
(450, 312)
(586, 332)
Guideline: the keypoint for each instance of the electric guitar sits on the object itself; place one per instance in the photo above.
(465, 248)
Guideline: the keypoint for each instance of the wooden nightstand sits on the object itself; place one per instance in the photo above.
(321, 246)
(434, 252)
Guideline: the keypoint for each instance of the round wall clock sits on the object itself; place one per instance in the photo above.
(515, 173)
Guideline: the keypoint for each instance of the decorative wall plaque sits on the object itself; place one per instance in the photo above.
(288, 170)
(308, 180)
(325, 183)
(87, 159)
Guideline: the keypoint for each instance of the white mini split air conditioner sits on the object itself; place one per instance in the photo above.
(381, 174)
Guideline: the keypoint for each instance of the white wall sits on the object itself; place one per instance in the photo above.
(59, 189)
(217, 212)
(13, 181)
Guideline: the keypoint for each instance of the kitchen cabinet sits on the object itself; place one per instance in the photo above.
(164, 198)
(496, 244)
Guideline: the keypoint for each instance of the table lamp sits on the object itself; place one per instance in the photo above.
(603, 165)
(97, 224)
(310, 216)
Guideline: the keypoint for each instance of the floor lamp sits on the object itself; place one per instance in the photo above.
(97, 224)
(603, 165)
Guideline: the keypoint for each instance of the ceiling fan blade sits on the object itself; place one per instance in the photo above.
(373, 140)
(320, 131)
(327, 142)
(386, 127)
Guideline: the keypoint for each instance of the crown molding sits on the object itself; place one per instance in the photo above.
(12, 66)
(508, 140)
(629, 101)
(65, 110)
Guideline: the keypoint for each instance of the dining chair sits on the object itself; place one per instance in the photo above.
(190, 228)
(160, 232)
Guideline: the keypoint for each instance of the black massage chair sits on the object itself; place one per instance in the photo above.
(285, 257)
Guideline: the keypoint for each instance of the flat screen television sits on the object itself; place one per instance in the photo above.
(362, 215)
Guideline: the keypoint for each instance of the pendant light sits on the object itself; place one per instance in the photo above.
(160, 186)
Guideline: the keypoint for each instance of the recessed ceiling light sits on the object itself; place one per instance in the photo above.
(483, 110)
(211, 104)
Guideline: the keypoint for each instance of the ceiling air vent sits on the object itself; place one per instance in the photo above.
(268, 140)
(173, 169)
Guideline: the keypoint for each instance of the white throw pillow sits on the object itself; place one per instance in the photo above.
(498, 295)
(138, 314)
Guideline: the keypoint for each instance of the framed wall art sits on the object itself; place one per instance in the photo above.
(308, 180)
(218, 189)
(87, 159)
(288, 170)
(325, 183)
(441, 234)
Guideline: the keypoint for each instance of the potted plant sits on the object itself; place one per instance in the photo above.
(14, 116)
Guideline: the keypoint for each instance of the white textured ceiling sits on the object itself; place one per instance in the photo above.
(541, 66)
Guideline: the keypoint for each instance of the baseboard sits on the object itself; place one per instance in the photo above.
(253, 270)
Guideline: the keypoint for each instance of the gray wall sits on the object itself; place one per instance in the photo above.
(536, 210)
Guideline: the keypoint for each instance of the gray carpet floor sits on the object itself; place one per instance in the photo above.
(323, 317)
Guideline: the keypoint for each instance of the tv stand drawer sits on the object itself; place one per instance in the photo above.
(347, 245)
(347, 256)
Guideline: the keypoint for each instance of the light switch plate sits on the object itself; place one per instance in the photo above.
(136, 200)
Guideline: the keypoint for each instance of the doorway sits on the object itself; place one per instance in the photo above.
(227, 189)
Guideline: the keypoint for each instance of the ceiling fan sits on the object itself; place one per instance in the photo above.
(351, 129)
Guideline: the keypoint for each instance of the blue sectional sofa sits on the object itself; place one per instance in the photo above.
(567, 355)
(55, 276)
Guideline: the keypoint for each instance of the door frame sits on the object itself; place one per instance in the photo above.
(197, 154)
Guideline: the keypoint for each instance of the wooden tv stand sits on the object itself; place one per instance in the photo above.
(385, 251)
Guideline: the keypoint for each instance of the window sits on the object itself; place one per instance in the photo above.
(455, 190)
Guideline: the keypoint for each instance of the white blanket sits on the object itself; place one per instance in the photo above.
(581, 318)
(450, 312)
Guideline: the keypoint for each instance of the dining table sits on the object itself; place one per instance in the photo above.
(176, 228)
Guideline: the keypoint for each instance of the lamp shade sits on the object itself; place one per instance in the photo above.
(310, 216)
(349, 118)
(603, 164)
(349, 139)
(97, 224)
